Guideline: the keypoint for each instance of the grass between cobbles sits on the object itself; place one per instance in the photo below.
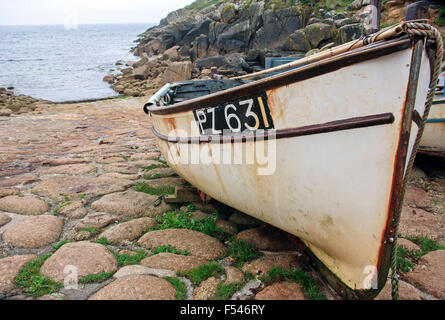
(30, 279)
(96, 278)
(56, 211)
(183, 220)
(309, 285)
(104, 241)
(202, 272)
(91, 230)
(156, 191)
(126, 259)
(156, 176)
(407, 259)
(226, 291)
(181, 289)
(170, 249)
(155, 166)
(243, 252)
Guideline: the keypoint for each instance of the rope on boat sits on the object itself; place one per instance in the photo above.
(429, 32)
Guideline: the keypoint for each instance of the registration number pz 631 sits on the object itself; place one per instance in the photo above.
(246, 114)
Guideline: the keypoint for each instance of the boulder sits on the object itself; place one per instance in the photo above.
(170, 261)
(281, 291)
(429, 274)
(109, 79)
(131, 204)
(180, 28)
(200, 28)
(297, 42)
(197, 243)
(355, 5)
(129, 230)
(5, 112)
(34, 232)
(241, 32)
(4, 219)
(137, 269)
(141, 62)
(351, 32)
(207, 289)
(217, 61)
(318, 33)
(4, 192)
(97, 220)
(23, 205)
(142, 72)
(137, 287)
(73, 210)
(73, 187)
(233, 275)
(71, 169)
(19, 180)
(228, 13)
(278, 25)
(261, 266)
(88, 258)
(267, 238)
(9, 268)
(177, 71)
(200, 47)
(171, 54)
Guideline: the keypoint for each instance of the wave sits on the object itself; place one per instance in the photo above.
(21, 60)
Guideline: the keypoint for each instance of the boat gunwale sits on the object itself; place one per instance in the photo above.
(309, 71)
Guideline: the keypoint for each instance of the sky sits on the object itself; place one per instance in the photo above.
(73, 12)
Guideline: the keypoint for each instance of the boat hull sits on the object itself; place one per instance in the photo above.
(336, 187)
(433, 138)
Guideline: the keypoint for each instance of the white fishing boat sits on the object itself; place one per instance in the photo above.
(326, 146)
(433, 139)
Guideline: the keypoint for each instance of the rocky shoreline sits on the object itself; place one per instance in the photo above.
(18, 104)
(237, 36)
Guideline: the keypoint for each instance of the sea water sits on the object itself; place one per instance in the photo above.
(60, 64)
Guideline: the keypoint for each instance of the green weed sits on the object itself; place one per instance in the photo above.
(170, 249)
(96, 278)
(181, 289)
(126, 259)
(157, 191)
(243, 252)
(202, 272)
(183, 220)
(309, 285)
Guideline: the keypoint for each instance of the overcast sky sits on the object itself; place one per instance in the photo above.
(24, 12)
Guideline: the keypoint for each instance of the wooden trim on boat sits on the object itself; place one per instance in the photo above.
(312, 70)
(339, 125)
(400, 176)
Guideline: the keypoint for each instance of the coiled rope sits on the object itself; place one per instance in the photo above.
(428, 32)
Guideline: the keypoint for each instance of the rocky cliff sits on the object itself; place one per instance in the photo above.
(237, 35)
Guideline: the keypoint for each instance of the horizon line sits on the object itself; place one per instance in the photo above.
(79, 24)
